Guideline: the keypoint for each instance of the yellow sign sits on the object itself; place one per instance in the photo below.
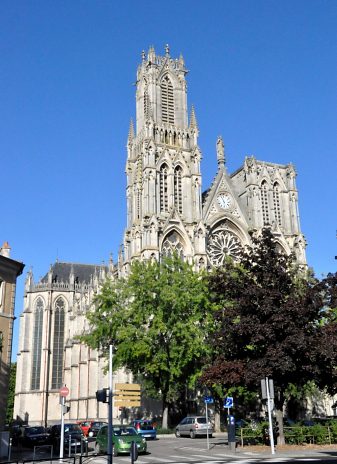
(127, 395)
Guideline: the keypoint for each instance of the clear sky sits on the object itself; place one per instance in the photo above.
(262, 73)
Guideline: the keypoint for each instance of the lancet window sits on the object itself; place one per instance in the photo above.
(167, 100)
(178, 194)
(163, 181)
(276, 200)
(58, 344)
(264, 203)
(172, 245)
(37, 344)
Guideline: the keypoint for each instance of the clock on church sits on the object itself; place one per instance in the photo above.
(225, 200)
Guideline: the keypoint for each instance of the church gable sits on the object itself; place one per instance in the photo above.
(221, 200)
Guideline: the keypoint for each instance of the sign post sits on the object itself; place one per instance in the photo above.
(228, 403)
(208, 400)
(267, 387)
(64, 391)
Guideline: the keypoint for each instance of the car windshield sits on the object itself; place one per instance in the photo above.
(97, 424)
(201, 420)
(34, 430)
(122, 431)
(145, 426)
(72, 428)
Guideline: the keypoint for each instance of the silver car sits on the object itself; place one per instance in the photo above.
(194, 426)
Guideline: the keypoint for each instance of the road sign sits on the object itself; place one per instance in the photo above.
(208, 399)
(64, 391)
(228, 402)
(127, 395)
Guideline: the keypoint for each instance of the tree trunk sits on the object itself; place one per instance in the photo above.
(217, 427)
(165, 416)
(279, 425)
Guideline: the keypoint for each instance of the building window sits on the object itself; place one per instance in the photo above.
(264, 203)
(167, 101)
(163, 181)
(178, 195)
(276, 200)
(138, 204)
(58, 344)
(172, 245)
(37, 344)
(146, 104)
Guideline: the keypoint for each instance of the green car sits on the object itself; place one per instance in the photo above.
(122, 437)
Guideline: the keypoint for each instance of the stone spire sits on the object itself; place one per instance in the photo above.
(5, 250)
(151, 56)
(220, 151)
(193, 119)
(167, 50)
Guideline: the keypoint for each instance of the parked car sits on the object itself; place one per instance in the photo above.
(194, 426)
(145, 428)
(85, 426)
(34, 436)
(95, 427)
(122, 437)
(73, 436)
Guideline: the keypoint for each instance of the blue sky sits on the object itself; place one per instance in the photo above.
(262, 73)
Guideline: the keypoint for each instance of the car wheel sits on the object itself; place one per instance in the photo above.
(192, 434)
(178, 433)
(97, 448)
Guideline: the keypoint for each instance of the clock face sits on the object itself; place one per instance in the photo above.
(225, 200)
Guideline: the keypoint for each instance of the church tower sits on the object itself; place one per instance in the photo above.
(164, 208)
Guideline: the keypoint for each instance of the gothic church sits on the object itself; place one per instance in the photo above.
(166, 212)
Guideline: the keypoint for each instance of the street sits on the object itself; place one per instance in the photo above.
(172, 450)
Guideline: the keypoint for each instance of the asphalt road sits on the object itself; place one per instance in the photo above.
(172, 450)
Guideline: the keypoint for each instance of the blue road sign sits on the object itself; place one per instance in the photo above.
(228, 402)
(208, 399)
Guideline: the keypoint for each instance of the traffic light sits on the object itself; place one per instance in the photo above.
(277, 428)
(101, 395)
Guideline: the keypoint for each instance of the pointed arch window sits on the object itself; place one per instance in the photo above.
(172, 245)
(146, 104)
(37, 344)
(178, 194)
(276, 200)
(58, 344)
(163, 181)
(264, 203)
(167, 100)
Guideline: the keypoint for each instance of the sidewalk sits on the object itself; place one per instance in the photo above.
(219, 443)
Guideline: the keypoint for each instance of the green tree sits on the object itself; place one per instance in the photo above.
(11, 393)
(157, 319)
(267, 322)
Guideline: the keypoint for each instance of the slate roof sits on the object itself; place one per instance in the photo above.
(83, 272)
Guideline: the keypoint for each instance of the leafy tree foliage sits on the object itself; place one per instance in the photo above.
(268, 323)
(157, 319)
(11, 393)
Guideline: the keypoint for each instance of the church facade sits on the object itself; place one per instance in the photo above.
(166, 212)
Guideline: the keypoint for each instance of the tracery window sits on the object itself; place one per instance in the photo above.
(178, 194)
(37, 344)
(167, 100)
(58, 343)
(276, 200)
(264, 203)
(163, 181)
(223, 243)
(172, 245)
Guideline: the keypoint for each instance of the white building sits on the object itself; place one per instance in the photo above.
(166, 211)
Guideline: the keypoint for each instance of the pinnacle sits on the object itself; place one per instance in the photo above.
(193, 119)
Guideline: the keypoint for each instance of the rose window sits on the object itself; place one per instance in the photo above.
(223, 243)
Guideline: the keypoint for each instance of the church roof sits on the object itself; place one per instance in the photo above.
(82, 272)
